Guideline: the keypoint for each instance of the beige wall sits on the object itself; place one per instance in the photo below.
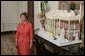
(10, 11)
(36, 11)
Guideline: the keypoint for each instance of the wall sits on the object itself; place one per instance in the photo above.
(54, 5)
(36, 11)
(10, 12)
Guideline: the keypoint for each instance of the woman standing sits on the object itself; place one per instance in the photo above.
(24, 35)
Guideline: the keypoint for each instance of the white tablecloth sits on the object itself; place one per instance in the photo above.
(59, 41)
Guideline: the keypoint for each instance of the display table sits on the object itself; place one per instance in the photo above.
(58, 45)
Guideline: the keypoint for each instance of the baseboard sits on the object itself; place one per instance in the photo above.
(8, 32)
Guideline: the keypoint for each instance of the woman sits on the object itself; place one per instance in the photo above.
(24, 35)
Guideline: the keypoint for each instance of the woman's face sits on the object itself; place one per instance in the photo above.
(23, 18)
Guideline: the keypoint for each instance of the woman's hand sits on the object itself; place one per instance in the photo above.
(30, 45)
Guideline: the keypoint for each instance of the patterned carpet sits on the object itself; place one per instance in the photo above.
(8, 44)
